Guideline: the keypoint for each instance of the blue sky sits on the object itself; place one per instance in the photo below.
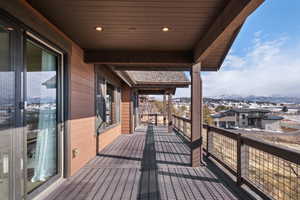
(274, 18)
(265, 57)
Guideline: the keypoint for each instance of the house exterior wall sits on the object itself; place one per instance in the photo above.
(110, 134)
(82, 111)
(225, 122)
(80, 133)
(126, 107)
(243, 123)
(271, 125)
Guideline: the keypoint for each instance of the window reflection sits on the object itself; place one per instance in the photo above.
(107, 104)
(7, 112)
(110, 105)
(40, 115)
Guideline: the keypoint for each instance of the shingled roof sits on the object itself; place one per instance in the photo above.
(159, 77)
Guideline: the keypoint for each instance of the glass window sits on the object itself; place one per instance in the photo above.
(107, 103)
(7, 113)
(110, 104)
(41, 114)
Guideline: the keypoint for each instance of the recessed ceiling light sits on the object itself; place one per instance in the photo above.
(165, 29)
(99, 28)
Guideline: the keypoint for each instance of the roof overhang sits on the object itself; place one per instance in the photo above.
(154, 87)
(132, 37)
(156, 91)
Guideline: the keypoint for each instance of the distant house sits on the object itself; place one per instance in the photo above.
(247, 118)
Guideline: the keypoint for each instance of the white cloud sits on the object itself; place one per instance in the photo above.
(268, 67)
(234, 61)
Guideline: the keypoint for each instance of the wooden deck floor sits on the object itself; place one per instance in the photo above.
(150, 164)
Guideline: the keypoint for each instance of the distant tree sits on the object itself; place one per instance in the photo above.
(207, 119)
(285, 109)
(220, 108)
(159, 106)
(182, 109)
(175, 111)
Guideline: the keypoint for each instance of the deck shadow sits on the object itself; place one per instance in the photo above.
(148, 183)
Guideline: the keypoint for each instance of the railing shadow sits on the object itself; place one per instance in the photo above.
(148, 183)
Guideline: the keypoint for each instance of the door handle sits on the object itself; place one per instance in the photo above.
(22, 105)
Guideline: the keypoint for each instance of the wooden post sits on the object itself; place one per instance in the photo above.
(137, 109)
(169, 112)
(184, 128)
(208, 140)
(134, 109)
(164, 110)
(196, 116)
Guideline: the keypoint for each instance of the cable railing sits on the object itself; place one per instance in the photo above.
(182, 125)
(154, 118)
(271, 171)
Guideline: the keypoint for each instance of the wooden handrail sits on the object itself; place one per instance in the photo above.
(242, 145)
(182, 118)
(279, 151)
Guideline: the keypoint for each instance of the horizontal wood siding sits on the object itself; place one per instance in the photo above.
(82, 123)
(109, 136)
(126, 110)
(81, 120)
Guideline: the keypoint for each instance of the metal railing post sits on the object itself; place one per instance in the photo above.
(244, 160)
(239, 160)
(184, 127)
(207, 140)
(174, 119)
(210, 141)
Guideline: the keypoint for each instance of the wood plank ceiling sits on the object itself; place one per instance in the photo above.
(136, 26)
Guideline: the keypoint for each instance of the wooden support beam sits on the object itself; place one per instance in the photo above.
(230, 19)
(154, 67)
(137, 109)
(170, 112)
(170, 85)
(135, 103)
(196, 116)
(155, 91)
(141, 60)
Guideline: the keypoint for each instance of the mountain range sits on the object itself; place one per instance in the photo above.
(253, 98)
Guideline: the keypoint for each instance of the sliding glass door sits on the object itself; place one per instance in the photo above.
(41, 114)
(30, 114)
(11, 124)
(7, 112)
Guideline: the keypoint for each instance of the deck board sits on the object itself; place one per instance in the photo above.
(149, 164)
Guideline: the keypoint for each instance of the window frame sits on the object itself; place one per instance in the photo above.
(23, 31)
(117, 100)
(41, 43)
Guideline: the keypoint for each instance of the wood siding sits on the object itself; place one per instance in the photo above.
(82, 123)
(80, 134)
(108, 136)
(126, 107)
